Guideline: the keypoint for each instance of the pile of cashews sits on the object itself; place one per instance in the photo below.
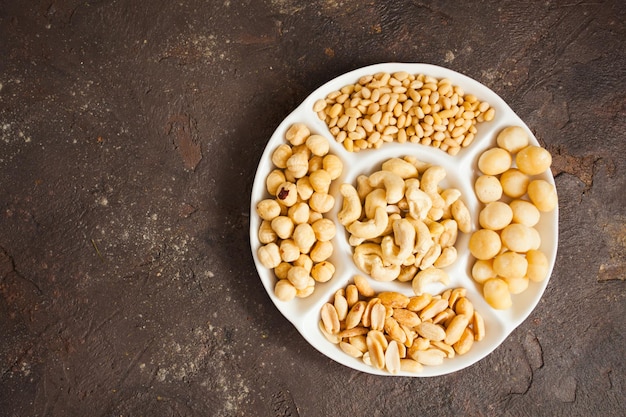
(401, 224)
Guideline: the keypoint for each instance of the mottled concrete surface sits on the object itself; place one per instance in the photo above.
(129, 136)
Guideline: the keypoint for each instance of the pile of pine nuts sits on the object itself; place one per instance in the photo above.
(391, 331)
(402, 107)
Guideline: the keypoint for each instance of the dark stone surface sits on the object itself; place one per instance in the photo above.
(129, 136)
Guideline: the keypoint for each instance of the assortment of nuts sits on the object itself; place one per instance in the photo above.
(295, 235)
(391, 331)
(401, 224)
(506, 246)
(403, 107)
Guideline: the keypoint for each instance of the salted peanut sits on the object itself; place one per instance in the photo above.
(350, 349)
(537, 265)
(274, 179)
(465, 342)
(393, 329)
(455, 328)
(392, 357)
(363, 286)
(419, 302)
(464, 306)
(330, 318)
(445, 348)
(406, 317)
(495, 216)
(455, 295)
(323, 271)
(352, 295)
(514, 183)
(525, 212)
(366, 359)
(333, 165)
(510, 265)
(355, 314)
(393, 299)
(435, 307)
(410, 365)
(484, 244)
(533, 160)
(377, 315)
(517, 238)
(287, 193)
(284, 290)
(543, 195)
(359, 342)
(512, 138)
(478, 325)
(494, 161)
(429, 357)
(488, 188)
(443, 318)
(430, 331)
(496, 293)
(376, 351)
(353, 332)
(269, 255)
(281, 154)
(332, 338)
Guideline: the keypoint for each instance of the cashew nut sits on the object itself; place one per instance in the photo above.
(371, 228)
(351, 209)
(379, 272)
(364, 255)
(399, 247)
(429, 276)
(363, 186)
(419, 202)
(430, 257)
(461, 214)
(376, 198)
(400, 167)
(423, 239)
(393, 184)
(430, 181)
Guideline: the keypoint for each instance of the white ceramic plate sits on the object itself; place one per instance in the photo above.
(461, 173)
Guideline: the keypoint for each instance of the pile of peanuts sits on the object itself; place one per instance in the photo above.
(295, 235)
(391, 331)
(506, 246)
(402, 107)
(401, 224)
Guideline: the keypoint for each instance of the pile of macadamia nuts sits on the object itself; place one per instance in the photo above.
(507, 244)
(295, 235)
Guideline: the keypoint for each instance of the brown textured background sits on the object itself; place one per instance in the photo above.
(129, 136)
